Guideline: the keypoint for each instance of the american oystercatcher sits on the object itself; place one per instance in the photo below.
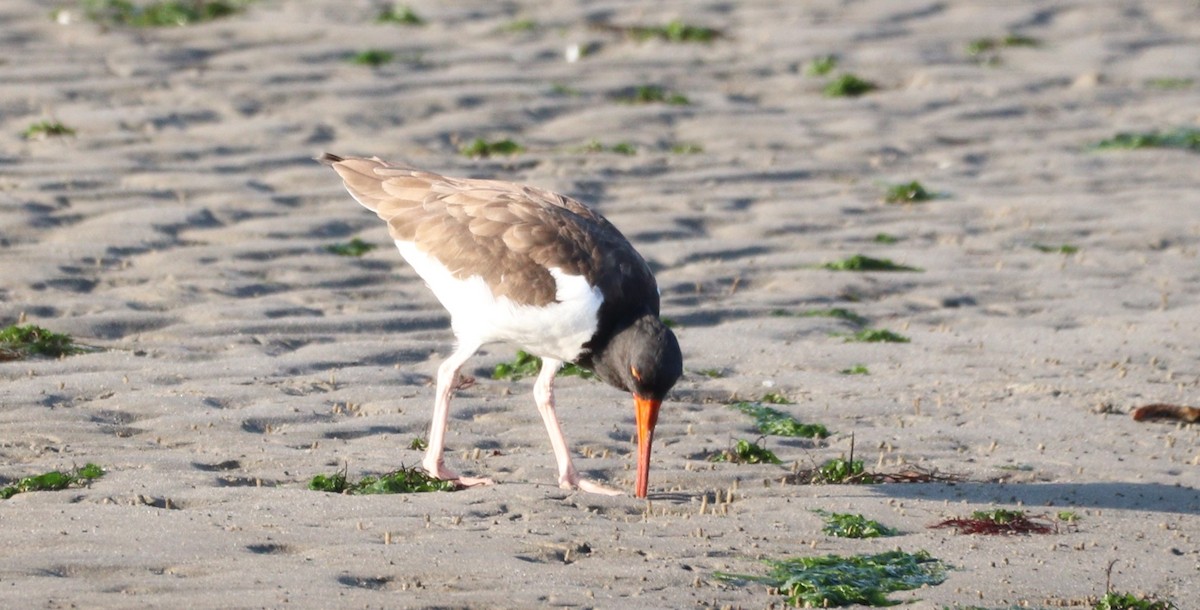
(526, 266)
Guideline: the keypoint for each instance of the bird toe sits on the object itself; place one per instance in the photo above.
(593, 487)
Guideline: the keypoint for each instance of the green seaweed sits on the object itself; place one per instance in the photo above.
(885, 238)
(481, 148)
(1016, 467)
(53, 481)
(1170, 83)
(525, 364)
(875, 335)
(849, 85)
(858, 369)
(686, 148)
(1063, 249)
(564, 89)
(46, 129)
(775, 398)
(654, 94)
(402, 16)
(1068, 516)
(1129, 601)
(980, 46)
(777, 423)
(859, 262)
(745, 452)
(838, 313)
(165, 13)
(520, 25)
(20, 341)
(850, 525)
(675, 31)
(833, 580)
(570, 369)
(372, 57)
(999, 516)
(593, 146)
(355, 247)
(521, 366)
(820, 66)
(909, 192)
(1183, 138)
(404, 480)
(333, 483)
(839, 471)
(596, 146)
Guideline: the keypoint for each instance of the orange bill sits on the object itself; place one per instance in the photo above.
(647, 417)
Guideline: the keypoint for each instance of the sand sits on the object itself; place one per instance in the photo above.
(182, 232)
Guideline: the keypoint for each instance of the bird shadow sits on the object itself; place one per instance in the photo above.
(1151, 497)
(678, 497)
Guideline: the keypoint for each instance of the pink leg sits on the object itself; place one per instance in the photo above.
(543, 395)
(447, 377)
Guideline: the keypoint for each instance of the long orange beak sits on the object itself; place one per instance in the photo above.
(647, 417)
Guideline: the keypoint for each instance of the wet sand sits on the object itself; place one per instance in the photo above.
(183, 230)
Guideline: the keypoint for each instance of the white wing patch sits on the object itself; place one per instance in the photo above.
(557, 330)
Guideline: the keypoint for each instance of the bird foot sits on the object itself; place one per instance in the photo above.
(473, 481)
(591, 487)
(445, 474)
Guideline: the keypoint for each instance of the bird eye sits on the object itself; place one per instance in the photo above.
(636, 374)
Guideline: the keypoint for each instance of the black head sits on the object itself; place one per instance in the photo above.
(642, 358)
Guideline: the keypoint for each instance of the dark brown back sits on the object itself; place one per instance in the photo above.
(508, 234)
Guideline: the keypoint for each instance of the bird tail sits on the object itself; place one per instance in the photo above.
(329, 159)
(360, 178)
(391, 191)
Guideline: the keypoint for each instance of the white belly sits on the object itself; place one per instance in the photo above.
(557, 330)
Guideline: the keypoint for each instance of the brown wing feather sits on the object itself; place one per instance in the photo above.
(508, 234)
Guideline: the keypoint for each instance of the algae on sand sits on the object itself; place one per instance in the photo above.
(849, 85)
(481, 148)
(355, 247)
(404, 480)
(525, 364)
(47, 129)
(908, 192)
(833, 580)
(777, 423)
(1185, 138)
(164, 13)
(745, 452)
(851, 525)
(53, 481)
(20, 341)
(860, 262)
(876, 335)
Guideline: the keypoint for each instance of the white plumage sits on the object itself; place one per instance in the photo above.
(556, 331)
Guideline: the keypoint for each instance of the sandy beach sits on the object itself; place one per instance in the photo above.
(182, 232)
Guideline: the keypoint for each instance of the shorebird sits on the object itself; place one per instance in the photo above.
(525, 266)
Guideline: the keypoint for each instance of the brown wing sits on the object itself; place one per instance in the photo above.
(508, 234)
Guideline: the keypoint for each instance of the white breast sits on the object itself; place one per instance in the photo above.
(557, 330)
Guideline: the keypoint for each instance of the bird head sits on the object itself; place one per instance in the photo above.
(647, 363)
